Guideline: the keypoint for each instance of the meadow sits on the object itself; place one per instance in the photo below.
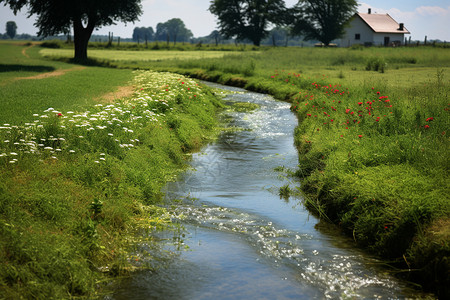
(372, 139)
(81, 174)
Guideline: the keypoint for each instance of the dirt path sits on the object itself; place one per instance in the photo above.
(51, 74)
(24, 51)
(122, 92)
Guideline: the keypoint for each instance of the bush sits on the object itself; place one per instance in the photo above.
(377, 64)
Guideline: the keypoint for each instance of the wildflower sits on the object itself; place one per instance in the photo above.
(360, 136)
(429, 119)
(426, 126)
(360, 103)
(347, 110)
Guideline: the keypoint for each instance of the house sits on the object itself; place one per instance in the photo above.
(373, 29)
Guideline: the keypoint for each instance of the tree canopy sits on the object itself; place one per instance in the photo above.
(11, 29)
(247, 19)
(174, 29)
(143, 33)
(322, 20)
(56, 16)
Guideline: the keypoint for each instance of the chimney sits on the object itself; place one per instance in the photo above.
(370, 11)
(401, 27)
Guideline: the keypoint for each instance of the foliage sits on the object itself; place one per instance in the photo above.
(247, 19)
(143, 34)
(174, 29)
(322, 20)
(55, 17)
(11, 29)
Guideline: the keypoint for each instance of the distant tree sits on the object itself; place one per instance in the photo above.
(11, 29)
(143, 33)
(322, 20)
(248, 19)
(162, 33)
(216, 36)
(56, 16)
(280, 35)
(177, 30)
(174, 29)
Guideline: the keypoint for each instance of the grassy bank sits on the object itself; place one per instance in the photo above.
(372, 138)
(76, 185)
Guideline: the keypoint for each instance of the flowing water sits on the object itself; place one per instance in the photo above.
(245, 242)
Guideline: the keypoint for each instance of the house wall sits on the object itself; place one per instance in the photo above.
(357, 26)
(378, 38)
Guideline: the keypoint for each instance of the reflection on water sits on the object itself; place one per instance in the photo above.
(247, 243)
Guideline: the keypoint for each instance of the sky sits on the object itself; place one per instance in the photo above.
(429, 18)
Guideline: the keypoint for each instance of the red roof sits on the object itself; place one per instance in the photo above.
(382, 23)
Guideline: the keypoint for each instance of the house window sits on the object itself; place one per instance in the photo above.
(357, 36)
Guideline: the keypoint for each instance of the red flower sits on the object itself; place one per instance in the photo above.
(318, 129)
(59, 114)
(360, 103)
(429, 119)
(426, 126)
(309, 115)
(347, 111)
(360, 136)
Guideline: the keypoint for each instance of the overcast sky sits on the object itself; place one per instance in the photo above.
(430, 18)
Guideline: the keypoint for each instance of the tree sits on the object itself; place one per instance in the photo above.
(280, 35)
(216, 36)
(248, 19)
(11, 29)
(173, 29)
(56, 16)
(142, 33)
(322, 20)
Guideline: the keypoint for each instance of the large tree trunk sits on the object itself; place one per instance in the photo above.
(81, 38)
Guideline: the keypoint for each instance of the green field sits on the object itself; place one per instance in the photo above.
(372, 139)
(137, 56)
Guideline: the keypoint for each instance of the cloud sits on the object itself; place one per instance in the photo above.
(432, 11)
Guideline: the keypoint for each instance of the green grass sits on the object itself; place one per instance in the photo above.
(79, 180)
(74, 90)
(137, 56)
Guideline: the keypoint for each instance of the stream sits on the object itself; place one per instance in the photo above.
(243, 240)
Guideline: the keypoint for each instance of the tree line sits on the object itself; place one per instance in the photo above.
(321, 20)
(173, 30)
